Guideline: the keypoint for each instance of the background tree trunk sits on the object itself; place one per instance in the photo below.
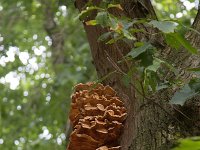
(56, 33)
(151, 123)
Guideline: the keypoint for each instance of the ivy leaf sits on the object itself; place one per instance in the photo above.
(126, 79)
(188, 91)
(156, 64)
(164, 26)
(111, 41)
(182, 95)
(115, 6)
(162, 86)
(150, 80)
(146, 58)
(195, 84)
(136, 30)
(179, 38)
(114, 40)
(170, 41)
(138, 44)
(139, 50)
(104, 36)
(153, 82)
(87, 11)
(194, 69)
(91, 22)
(102, 18)
(128, 35)
(114, 23)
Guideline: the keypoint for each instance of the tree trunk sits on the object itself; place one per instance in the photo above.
(152, 123)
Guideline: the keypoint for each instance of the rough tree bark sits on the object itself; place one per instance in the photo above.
(151, 123)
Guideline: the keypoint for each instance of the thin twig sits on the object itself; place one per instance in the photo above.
(181, 112)
(114, 64)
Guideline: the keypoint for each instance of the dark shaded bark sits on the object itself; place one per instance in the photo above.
(152, 123)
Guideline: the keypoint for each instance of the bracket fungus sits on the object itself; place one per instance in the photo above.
(97, 117)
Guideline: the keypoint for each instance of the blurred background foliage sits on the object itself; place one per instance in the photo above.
(34, 90)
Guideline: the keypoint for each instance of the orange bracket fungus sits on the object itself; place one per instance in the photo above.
(97, 117)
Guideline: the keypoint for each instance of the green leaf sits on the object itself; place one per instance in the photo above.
(102, 18)
(195, 84)
(179, 38)
(113, 40)
(145, 81)
(150, 80)
(87, 11)
(128, 35)
(132, 30)
(138, 44)
(153, 81)
(156, 64)
(113, 22)
(146, 58)
(104, 36)
(164, 26)
(170, 41)
(162, 86)
(189, 28)
(115, 6)
(194, 69)
(139, 50)
(188, 144)
(126, 79)
(182, 95)
(91, 22)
